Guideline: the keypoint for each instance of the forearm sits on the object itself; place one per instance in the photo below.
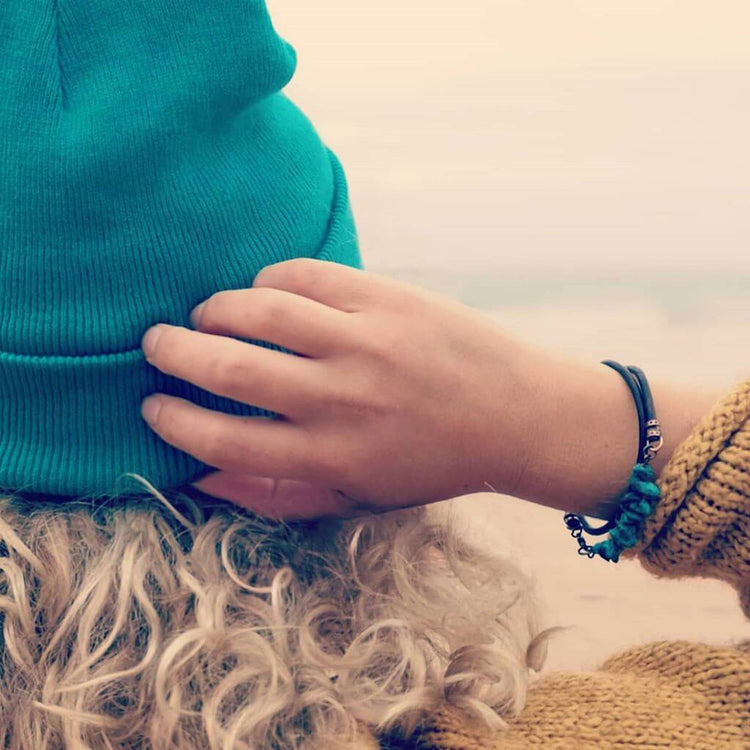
(584, 439)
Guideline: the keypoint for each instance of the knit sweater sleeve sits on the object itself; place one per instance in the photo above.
(701, 526)
(661, 695)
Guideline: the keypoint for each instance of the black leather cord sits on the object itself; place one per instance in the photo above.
(635, 384)
(649, 432)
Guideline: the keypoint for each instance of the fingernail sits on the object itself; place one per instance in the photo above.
(195, 315)
(148, 343)
(150, 409)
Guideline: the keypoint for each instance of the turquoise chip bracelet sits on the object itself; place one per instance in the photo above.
(642, 495)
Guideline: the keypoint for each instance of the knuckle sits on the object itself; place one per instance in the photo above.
(221, 449)
(231, 374)
(387, 347)
(350, 401)
(362, 399)
(326, 463)
(270, 311)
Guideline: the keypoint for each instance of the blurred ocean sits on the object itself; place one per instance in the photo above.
(691, 327)
(580, 171)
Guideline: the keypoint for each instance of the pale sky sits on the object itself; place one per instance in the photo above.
(522, 34)
(602, 133)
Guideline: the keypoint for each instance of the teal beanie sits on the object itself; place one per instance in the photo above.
(148, 159)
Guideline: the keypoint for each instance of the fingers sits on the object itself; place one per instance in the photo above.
(242, 444)
(334, 284)
(280, 382)
(284, 499)
(277, 316)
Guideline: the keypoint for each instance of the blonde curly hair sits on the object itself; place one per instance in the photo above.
(167, 623)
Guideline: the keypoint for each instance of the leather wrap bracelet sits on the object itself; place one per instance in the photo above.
(642, 494)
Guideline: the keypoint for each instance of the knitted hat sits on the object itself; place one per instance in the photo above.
(147, 160)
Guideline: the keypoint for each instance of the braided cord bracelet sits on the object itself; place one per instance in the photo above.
(642, 494)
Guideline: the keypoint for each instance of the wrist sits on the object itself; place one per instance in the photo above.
(585, 437)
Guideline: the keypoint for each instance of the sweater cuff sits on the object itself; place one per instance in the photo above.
(701, 526)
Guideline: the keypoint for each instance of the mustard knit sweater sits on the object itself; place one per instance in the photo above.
(666, 694)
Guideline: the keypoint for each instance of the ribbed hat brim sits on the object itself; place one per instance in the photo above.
(71, 425)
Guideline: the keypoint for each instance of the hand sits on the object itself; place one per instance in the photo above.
(400, 397)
